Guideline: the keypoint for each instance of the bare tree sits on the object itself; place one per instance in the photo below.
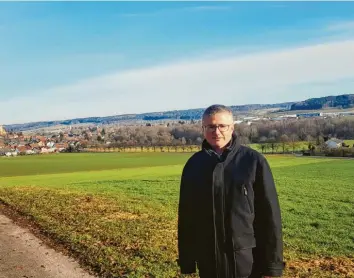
(294, 141)
(263, 143)
(284, 139)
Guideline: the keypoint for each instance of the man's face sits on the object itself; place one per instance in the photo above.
(218, 129)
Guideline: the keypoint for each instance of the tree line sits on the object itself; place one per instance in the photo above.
(314, 130)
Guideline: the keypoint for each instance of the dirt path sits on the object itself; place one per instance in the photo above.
(22, 255)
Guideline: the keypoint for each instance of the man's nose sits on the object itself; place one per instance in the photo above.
(217, 131)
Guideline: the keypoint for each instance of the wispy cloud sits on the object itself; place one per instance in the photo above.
(202, 8)
(262, 77)
(341, 26)
(141, 14)
(209, 8)
(280, 5)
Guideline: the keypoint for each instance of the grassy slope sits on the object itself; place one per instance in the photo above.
(65, 163)
(349, 142)
(123, 220)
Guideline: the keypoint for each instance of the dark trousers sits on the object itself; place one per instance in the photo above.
(207, 270)
(207, 265)
(205, 274)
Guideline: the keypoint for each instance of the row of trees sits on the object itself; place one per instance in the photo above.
(314, 130)
(187, 134)
(309, 129)
(183, 133)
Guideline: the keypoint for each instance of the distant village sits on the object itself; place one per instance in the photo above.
(14, 144)
(250, 119)
(261, 129)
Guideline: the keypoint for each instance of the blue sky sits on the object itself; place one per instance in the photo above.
(62, 60)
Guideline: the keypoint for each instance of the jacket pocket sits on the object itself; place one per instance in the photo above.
(247, 197)
(243, 255)
(243, 260)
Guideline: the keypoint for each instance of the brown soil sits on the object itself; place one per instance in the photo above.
(321, 267)
(22, 254)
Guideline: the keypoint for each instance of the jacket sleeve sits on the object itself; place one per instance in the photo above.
(267, 225)
(186, 240)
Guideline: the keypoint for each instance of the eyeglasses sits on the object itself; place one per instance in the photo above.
(211, 128)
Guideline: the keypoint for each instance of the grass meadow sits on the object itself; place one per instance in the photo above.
(118, 211)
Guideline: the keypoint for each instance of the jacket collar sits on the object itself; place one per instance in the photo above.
(231, 147)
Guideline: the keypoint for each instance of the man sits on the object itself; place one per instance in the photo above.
(229, 223)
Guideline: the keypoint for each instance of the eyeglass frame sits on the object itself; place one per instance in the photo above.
(212, 128)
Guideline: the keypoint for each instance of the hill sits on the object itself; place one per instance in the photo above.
(188, 114)
(341, 101)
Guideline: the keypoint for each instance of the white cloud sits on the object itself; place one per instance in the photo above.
(263, 77)
(341, 26)
(337, 30)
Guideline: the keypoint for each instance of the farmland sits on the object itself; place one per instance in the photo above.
(117, 212)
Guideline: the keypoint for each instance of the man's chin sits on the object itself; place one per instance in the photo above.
(218, 145)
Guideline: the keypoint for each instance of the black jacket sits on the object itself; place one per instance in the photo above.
(229, 220)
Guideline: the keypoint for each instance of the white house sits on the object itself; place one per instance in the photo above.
(50, 144)
(29, 152)
(333, 143)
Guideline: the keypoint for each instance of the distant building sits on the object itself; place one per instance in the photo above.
(289, 116)
(333, 143)
(346, 113)
(250, 118)
(2, 131)
(329, 114)
(308, 115)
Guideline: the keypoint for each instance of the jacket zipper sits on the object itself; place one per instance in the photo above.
(248, 202)
(215, 238)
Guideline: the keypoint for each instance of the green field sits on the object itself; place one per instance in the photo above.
(118, 211)
(349, 142)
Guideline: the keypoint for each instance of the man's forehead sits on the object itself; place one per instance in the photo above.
(222, 117)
